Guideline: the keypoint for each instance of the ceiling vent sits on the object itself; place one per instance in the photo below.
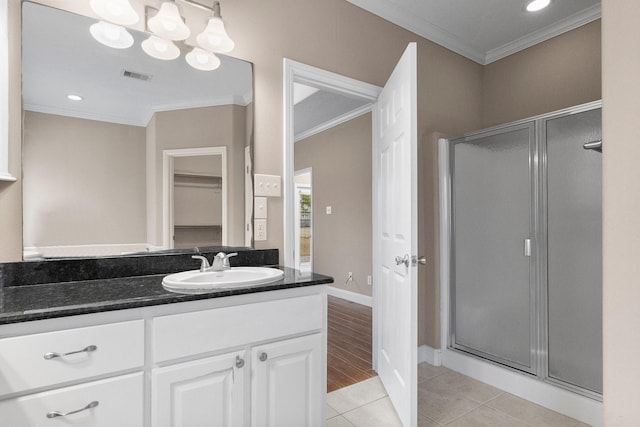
(135, 75)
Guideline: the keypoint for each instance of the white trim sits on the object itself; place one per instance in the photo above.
(143, 119)
(576, 406)
(167, 188)
(430, 355)
(412, 22)
(305, 171)
(560, 27)
(334, 122)
(4, 94)
(306, 74)
(350, 296)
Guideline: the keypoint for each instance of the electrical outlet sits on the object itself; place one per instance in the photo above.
(260, 207)
(267, 185)
(328, 210)
(261, 230)
(369, 280)
(349, 277)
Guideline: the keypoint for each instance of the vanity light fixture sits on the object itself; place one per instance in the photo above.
(168, 23)
(160, 48)
(201, 59)
(73, 97)
(166, 26)
(117, 11)
(111, 35)
(537, 5)
(214, 38)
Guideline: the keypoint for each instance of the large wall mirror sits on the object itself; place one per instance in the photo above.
(125, 153)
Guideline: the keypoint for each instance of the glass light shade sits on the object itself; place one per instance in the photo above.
(537, 5)
(200, 59)
(168, 23)
(160, 48)
(117, 11)
(214, 38)
(111, 35)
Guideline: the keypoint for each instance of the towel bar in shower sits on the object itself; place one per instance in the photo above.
(593, 145)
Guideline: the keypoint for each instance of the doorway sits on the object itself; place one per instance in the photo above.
(194, 177)
(304, 220)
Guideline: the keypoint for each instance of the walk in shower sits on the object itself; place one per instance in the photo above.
(525, 247)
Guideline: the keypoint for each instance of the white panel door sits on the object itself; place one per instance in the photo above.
(395, 236)
(209, 391)
(287, 384)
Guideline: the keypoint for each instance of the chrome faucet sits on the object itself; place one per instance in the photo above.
(221, 261)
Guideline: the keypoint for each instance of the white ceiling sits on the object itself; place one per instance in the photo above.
(60, 57)
(484, 30)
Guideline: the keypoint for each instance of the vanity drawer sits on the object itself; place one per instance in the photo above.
(187, 334)
(29, 361)
(116, 402)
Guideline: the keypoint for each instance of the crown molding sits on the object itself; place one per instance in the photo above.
(560, 27)
(389, 11)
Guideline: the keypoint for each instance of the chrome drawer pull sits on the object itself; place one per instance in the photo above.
(88, 349)
(54, 414)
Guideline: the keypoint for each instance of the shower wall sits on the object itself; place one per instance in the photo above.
(526, 247)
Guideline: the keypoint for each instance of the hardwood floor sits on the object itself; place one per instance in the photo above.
(349, 344)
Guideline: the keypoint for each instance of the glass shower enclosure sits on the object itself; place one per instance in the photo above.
(526, 247)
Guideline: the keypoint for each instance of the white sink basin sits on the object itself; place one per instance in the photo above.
(236, 277)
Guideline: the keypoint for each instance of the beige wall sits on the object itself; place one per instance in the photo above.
(197, 128)
(342, 240)
(621, 203)
(84, 182)
(561, 72)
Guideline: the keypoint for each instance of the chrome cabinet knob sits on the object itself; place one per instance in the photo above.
(239, 362)
(263, 356)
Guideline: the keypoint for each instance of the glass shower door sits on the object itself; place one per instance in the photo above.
(574, 250)
(492, 279)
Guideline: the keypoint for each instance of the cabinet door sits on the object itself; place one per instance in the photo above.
(287, 386)
(209, 390)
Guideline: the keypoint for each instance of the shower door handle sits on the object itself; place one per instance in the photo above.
(527, 247)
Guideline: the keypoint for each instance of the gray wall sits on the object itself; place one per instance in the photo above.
(342, 240)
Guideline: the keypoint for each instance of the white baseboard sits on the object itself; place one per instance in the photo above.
(430, 355)
(573, 405)
(350, 296)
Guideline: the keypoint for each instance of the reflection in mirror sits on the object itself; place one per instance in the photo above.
(98, 123)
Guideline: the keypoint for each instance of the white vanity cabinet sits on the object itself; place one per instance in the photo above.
(247, 360)
(275, 377)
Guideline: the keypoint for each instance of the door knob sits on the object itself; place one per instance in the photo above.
(420, 260)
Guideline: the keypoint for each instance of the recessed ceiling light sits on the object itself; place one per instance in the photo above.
(75, 97)
(537, 5)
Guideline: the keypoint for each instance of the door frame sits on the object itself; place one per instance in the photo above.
(168, 157)
(296, 72)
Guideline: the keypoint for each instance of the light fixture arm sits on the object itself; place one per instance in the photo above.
(215, 8)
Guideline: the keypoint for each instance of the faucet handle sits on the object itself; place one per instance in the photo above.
(225, 261)
(204, 264)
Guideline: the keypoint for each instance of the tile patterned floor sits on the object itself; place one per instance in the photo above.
(445, 398)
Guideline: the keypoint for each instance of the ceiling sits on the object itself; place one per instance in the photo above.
(484, 30)
(60, 57)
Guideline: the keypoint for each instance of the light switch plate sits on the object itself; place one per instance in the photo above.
(267, 185)
(260, 206)
(260, 229)
(328, 210)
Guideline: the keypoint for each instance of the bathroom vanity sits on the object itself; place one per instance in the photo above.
(122, 351)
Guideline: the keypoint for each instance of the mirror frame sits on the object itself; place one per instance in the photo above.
(4, 93)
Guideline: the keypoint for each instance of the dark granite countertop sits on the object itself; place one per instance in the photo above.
(49, 300)
(44, 289)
